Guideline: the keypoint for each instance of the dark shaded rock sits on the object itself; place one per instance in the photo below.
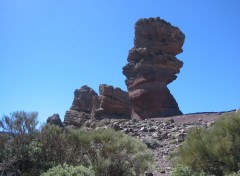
(150, 142)
(152, 65)
(76, 118)
(55, 120)
(148, 174)
(115, 126)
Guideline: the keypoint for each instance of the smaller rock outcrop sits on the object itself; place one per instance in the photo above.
(76, 118)
(84, 99)
(81, 110)
(112, 103)
(54, 120)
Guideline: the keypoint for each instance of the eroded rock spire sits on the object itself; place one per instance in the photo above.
(152, 65)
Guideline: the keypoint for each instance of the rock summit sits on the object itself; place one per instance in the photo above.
(152, 65)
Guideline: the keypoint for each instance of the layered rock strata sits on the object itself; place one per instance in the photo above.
(111, 103)
(85, 99)
(114, 103)
(152, 65)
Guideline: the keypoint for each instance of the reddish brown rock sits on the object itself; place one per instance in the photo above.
(114, 103)
(84, 103)
(84, 99)
(152, 65)
(111, 103)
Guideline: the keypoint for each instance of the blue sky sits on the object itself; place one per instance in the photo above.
(49, 48)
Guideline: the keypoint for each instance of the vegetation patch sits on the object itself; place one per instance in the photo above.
(214, 151)
(25, 150)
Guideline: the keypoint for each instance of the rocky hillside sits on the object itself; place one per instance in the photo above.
(162, 135)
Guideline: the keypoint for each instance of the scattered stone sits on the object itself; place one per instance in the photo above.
(116, 127)
(143, 129)
(155, 135)
(151, 143)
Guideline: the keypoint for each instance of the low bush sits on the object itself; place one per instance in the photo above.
(24, 150)
(119, 154)
(181, 170)
(216, 150)
(107, 151)
(235, 174)
(67, 170)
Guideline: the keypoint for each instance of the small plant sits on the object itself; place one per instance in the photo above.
(216, 150)
(181, 170)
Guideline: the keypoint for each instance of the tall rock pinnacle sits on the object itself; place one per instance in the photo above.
(151, 66)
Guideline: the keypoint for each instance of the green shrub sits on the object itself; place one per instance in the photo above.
(119, 154)
(21, 129)
(107, 151)
(181, 170)
(234, 174)
(27, 151)
(67, 170)
(215, 150)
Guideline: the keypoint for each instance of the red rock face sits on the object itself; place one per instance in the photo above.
(114, 103)
(151, 66)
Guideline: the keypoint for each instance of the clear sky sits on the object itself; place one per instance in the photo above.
(49, 48)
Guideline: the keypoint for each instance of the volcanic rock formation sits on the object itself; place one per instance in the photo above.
(114, 103)
(55, 120)
(152, 65)
(111, 103)
(81, 110)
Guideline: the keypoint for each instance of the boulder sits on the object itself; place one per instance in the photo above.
(54, 120)
(84, 99)
(151, 66)
(114, 103)
(76, 118)
(84, 103)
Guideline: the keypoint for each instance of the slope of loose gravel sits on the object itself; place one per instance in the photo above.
(204, 119)
(161, 135)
